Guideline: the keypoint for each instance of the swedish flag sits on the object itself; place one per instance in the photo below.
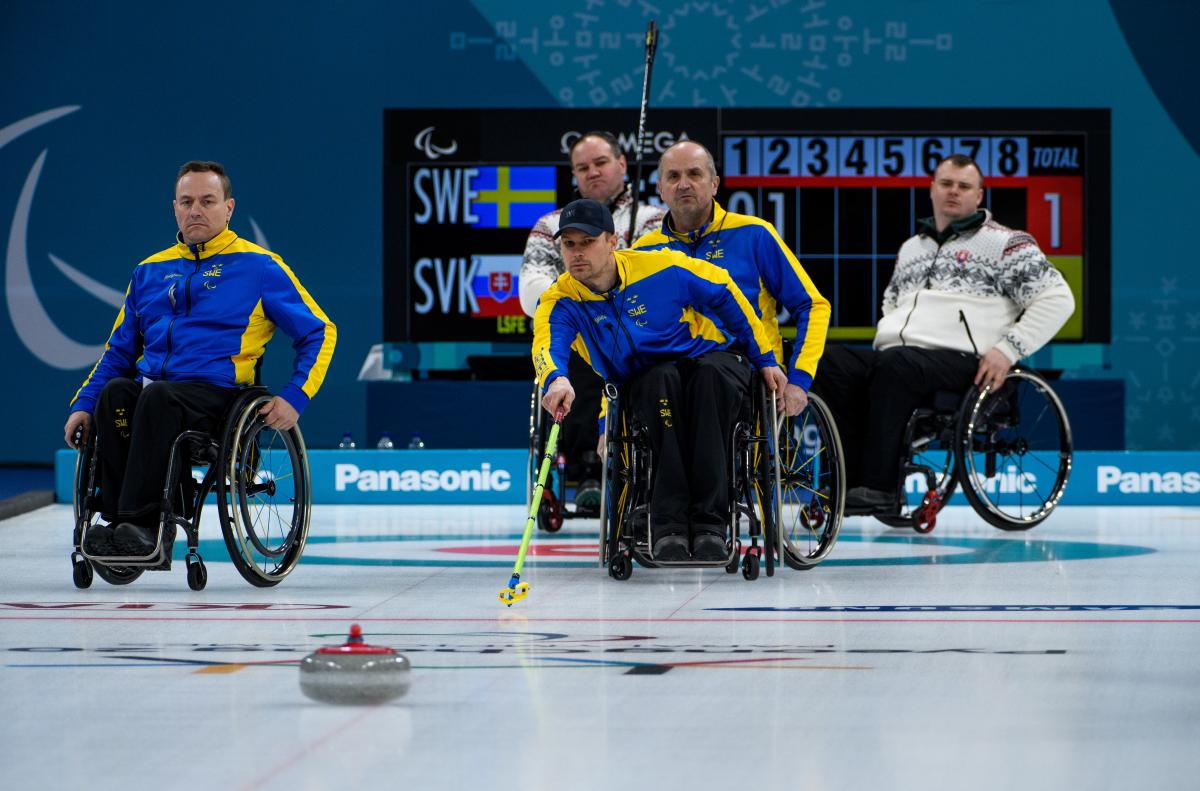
(513, 197)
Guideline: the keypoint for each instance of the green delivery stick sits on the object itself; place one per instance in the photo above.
(516, 589)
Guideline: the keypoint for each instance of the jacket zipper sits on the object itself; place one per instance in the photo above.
(928, 276)
(187, 291)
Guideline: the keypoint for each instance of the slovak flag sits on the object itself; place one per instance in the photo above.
(495, 285)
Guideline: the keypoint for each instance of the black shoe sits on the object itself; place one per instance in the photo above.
(587, 497)
(865, 497)
(98, 540)
(134, 540)
(709, 547)
(671, 548)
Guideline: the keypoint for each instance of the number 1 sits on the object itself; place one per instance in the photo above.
(1055, 201)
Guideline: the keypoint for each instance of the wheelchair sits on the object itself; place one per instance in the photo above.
(1010, 450)
(787, 494)
(554, 508)
(260, 477)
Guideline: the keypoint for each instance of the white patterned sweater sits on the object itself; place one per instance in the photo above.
(1009, 296)
(542, 263)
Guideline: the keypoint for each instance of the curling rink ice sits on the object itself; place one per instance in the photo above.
(1065, 657)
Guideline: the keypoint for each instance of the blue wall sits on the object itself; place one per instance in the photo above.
(290, 97)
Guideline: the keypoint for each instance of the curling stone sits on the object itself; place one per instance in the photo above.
(354, 673)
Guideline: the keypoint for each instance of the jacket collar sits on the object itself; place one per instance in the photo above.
(715, 221)
(203, 250)
(928, 226)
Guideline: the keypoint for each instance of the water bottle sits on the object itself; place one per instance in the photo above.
(416, 443)
(347, 442)
(385, 442)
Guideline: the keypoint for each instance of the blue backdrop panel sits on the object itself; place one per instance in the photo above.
(292, 98)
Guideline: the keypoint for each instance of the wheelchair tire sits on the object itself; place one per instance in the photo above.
(750, 566)
(813, 485)
(549, 513)
(998, 435)
(197, 574)
(732, 566)
(620, 567)
(117, 575)
(536, 442)
(81, 573)
(263, 494)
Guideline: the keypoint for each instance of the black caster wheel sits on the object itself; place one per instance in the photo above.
(732, 566)
(549, 516)
(620, 567)
(750, 566)
(81, 572)
(197, 574)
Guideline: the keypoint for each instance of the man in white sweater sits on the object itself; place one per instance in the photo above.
(599, 168)
(968, 299)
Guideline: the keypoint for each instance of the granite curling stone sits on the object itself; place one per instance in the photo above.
(354, 673)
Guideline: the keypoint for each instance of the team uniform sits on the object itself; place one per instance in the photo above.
(541, 265)
(954, 295)
(767, 273)
(194, 324)
(657, 331)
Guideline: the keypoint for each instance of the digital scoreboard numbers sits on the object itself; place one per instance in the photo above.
(844, 189)
(845, 203)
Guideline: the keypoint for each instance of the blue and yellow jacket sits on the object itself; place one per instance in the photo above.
(766, 272)
(203, 313)
(658, 311)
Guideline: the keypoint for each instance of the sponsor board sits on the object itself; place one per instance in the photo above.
(497, 477)
(392, 477)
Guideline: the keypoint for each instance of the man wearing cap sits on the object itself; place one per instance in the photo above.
(599, 169)
(648, 320)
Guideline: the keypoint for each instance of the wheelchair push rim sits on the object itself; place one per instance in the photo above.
(264, 495)
(1014, 451)
(812, 485)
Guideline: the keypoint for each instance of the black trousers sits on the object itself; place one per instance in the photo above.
(689, 408)
(135, 427)
(873, 393)
(580, 430)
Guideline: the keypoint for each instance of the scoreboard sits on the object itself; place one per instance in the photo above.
(844, 189)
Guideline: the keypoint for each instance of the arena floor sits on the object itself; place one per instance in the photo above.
(968, 658)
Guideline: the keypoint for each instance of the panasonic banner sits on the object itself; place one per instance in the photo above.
(391, 477)
(458, 477)
(498, 477)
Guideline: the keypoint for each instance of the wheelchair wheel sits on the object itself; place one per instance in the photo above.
(549, 513)
(116, 575)
(1013, 450)
(84, 503)
(263, 494)
(536, 443)
(81, 573)
(930, 438)
(812, 485)
(622, 489)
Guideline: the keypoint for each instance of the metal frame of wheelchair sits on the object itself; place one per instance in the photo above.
(264, 545)
(553, 510)
(983, 442)
(787, 482)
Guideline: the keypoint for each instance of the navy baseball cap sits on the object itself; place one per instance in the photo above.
(585, 215)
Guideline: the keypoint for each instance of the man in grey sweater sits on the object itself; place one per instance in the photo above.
(968, 299)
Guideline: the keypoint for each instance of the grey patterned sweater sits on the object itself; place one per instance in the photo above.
(543, 262)
(1009, 295)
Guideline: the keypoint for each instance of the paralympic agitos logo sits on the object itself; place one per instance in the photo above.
(34, 325)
